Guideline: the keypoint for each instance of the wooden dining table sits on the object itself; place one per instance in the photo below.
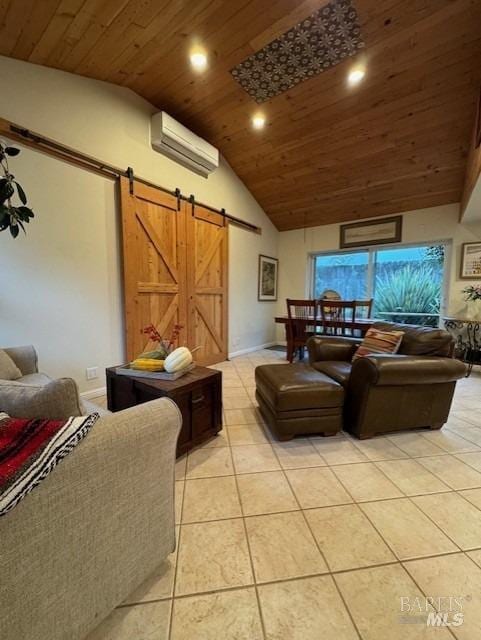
(360, 324)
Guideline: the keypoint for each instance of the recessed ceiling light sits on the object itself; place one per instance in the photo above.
(356, 75)
(258, 121)
(198, 60)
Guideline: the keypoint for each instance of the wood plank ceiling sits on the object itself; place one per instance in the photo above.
(328, 153)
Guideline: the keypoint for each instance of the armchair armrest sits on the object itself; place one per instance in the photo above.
(396, 369)
(322, 348)
(24, 357)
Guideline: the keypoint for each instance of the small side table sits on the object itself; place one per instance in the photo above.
(198, 394)
(467, 335)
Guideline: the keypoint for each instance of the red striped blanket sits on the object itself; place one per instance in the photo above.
(30, 449)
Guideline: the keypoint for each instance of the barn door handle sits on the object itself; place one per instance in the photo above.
(199, 399)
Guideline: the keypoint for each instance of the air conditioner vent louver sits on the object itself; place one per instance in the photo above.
(178, 143)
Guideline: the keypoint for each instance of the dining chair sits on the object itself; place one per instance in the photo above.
(337, 310)
(365, 309)
(299, 329)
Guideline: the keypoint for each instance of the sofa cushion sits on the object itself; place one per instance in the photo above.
(8, 368)
(35, 379)
(420, 341)
(335, 369)
(377, 341)
(298, 386)
(56, 400)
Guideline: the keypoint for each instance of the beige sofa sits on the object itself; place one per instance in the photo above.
(94, 529)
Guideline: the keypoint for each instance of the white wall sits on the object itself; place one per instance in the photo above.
(60, 285)
(423, 225)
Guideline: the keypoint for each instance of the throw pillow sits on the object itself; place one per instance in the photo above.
(8, 368)
(57, 400)
(376, 341)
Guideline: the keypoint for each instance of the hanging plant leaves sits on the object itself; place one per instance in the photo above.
(6, 190)
(11, 216)
(12, 151)
(21, 194)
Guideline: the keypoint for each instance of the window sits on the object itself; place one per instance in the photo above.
(405, 282)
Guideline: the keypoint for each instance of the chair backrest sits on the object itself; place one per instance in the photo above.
(365, 308)
(337, 310)
(298, 311)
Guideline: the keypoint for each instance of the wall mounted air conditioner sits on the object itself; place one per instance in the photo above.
(178, 143)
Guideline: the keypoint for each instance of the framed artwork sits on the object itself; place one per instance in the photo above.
(267, 285)
(363, 234)
(471, 261)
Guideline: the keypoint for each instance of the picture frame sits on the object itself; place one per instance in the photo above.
(477, 129)
(470, 261)
(371, 232)
(267, 279)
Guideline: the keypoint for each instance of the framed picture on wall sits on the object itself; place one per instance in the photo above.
(363, 234)
(471, 261)
(267, 279)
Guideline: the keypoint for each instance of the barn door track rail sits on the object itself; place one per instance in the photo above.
(74, 157)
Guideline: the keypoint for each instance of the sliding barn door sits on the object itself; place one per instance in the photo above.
(175, 272)
(154, 255)
(207, 284)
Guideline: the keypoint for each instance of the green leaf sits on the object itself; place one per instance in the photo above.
(14, 230)
(12, 151)
(21, 194)
(6, 190)
(27, 212)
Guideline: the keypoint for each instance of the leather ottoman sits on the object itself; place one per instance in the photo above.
(296, 399)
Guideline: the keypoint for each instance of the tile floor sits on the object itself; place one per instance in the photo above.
(317, 538)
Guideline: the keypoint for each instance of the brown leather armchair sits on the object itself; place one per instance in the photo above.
(410, 389)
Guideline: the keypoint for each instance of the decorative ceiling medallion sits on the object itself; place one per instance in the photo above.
(319, 42)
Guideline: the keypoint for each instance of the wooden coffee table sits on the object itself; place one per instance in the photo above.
(198, 395)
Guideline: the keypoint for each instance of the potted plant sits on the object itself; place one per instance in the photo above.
(472, 295)
(13, 216)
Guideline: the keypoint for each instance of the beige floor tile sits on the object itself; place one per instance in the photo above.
(210, 499)
(306, 609)
(472, 459)
(452, 471)
(473, 495)
(457, 576)
(180, 466)
(230, 615)
(475, 556)
(219, 440)
(297, 455)
(247, 434)
(234, 392)
(242, 416)
(373, 596)
(317, 487)
(179, 496)
(449, 441)
(347, 538)
(414, 444)
(467, 431)
(366, 482)
(214, 461)
(405, 528)
(458, 518)
(142, 622)
(265, 493)
(229, 382)
(212, 555)
(379, 449)
(235, 402)
(282, 547)
(254, 458)
(340, 451)
(470, 416)
(411, 477)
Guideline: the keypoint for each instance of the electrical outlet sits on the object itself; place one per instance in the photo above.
(92, 373)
